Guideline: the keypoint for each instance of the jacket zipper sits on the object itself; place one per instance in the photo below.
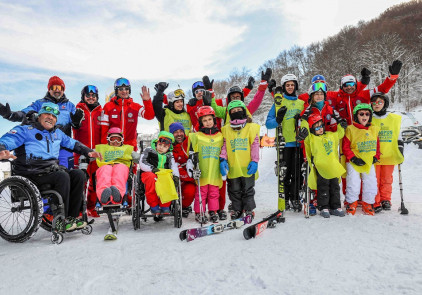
(48, 144)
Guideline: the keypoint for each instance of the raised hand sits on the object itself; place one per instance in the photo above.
(207, 83)
(251, 83)
(395, 67)
(145, 95)
(160, 87)
(267, 75)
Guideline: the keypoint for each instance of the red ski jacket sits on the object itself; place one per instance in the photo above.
(90, 131)
(327, 114)
(181, 155)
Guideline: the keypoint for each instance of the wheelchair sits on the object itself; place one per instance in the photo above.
(24, 208)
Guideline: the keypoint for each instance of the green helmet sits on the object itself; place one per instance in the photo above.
(235, 104)
(362, 106)
(165, 134)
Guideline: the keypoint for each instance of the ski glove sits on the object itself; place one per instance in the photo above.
(271, 85)
(160, 87)
(251, 83)
(76, 118)
(5, 111)
(207, 83)
(267, 75)
(192, 102)
(343, 123)
(375, 160)
(401, 146)
(207, 98)
(252, 167)
(306, 114)
(280, 114)
(155, 170)
(357, 161)
(395, 67)
(302, 134)
(365, 76)
(224, 167)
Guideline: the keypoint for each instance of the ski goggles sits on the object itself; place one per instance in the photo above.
(199, 91)
(318, 128)
(364, 114)
(198, 84)
(349, 84)
(319, 87)
(115, 138)
(122, 82)
(179, 93)
(50, 110)
(164, 140)
(91, 89)
(56, 88)
(374, 103)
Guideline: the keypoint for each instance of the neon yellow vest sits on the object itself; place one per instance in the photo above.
(288, 124)
(238, 145)
(113, 155)
(209, 149)
(182, 118)
(363, 143)
(388, 135)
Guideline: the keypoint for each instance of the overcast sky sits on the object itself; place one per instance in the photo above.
(179, 41)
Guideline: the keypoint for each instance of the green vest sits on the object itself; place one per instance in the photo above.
(113, 155)
(171, 117)
(289, 123)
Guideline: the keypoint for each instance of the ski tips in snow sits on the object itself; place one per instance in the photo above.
(256, 229)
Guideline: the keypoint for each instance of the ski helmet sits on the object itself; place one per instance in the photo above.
(87, 90)
(165, 137)
(175, 95)
(319, 78)
(122, 82)
(384, 97)
(289, 77)
(347, 79)
(197, 85)
(115, 131)
(362, 106)
(312, 120)
(238, 115)
(319, 86)
(235, 89)
(205, 111)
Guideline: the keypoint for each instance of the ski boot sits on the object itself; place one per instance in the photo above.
(222, 215)
(186, 211)
(250, 213)
(235, 214)
(296, 205)
(200, 219)
(368, 209)
(351, 207)
(377, 208)
(386, 205)
(213, 216)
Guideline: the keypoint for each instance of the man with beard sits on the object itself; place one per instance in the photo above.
(68, 117)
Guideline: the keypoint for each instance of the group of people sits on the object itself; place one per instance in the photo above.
(211, 145)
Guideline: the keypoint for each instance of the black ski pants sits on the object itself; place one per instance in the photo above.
(69, 184)
(293, 178)
(328, 193)
(241, 193)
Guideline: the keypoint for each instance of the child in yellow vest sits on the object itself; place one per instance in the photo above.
(391, 147)
(113, 170)
(362, 150)
(239, 159)
(207, 142)
(322, 152)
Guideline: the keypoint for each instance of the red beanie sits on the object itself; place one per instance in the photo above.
(55, 81)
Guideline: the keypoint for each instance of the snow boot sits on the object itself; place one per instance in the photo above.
(116, 194)
(222, 215)
(325, 213)
(250, 213)
(165, 210)
(386, 205)
(377, 208)
(235, 214)
(186, 211)
(337, 212)
(156, 210)
(213, 216)
(351, 207)
(105, 196)
(368, 209)
(200, 219)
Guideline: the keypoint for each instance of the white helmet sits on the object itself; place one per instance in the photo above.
(289, 77)
(175, 95)
(346, 79)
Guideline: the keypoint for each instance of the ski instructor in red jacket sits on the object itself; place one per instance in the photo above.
(122, 112)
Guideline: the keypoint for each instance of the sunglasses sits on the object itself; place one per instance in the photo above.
(56, 88)
(91, 95)
(377, 102)
(51, 110)
(349, 84)
(319, 86)
(164, 140)
(179, 93)
(198, 84)
(199, 91)
(366, 114)
(123, 88)
(122, 82)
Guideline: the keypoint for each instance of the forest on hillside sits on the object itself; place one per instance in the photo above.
(374, 44)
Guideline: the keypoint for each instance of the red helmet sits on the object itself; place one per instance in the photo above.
(204, 111)
(314, 118)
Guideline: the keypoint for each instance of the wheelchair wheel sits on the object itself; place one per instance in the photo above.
(176, 214)
(21, 209)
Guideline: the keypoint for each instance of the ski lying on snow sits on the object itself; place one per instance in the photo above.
(270, 221)
(193, 233)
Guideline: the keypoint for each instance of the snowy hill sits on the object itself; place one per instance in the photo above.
(351, 255)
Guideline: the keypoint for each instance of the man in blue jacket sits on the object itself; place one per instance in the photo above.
(37, 146)
(69, 115)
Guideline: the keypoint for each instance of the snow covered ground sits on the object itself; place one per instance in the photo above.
(351, 255)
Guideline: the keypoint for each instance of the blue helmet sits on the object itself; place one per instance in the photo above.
(319, 78)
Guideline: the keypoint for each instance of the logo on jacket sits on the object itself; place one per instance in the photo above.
(328, 117)
(130, 115)
(63, 107)
(13, 131)
(38, 136)
(358, 101)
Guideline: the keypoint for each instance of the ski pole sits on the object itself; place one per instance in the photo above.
(403, 210)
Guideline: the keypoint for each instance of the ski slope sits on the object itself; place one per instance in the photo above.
(351, 255)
